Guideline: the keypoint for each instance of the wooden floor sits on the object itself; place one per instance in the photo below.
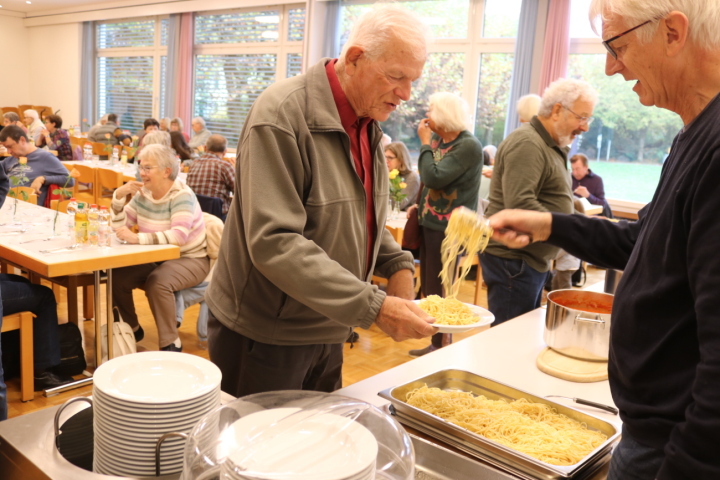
(373, 353)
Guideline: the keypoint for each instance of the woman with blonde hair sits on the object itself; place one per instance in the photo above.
(450, 167)
(176, 125)
(397, 158)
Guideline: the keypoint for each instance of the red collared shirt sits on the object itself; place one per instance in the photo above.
(357, 129)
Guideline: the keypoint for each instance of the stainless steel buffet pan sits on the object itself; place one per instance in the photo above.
(503, 457)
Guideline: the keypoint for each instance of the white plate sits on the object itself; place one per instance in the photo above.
(151, 416)
(485, 317)
(322, 447)
(152, 408)
(157, 377)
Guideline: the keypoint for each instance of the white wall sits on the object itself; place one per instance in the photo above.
(55, 69)
(15, 72)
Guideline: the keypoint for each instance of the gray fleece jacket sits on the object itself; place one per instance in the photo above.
(292, 263)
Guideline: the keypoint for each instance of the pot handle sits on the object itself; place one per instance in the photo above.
(56, 421)
(579, 318)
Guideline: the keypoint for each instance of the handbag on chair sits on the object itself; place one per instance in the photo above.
(123, 339)
(412, 235)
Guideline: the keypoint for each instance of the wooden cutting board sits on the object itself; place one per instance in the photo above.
(571, 369)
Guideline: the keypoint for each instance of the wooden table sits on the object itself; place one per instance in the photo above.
(23, 249)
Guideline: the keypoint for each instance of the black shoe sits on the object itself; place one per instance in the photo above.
(139, 334)
(171, 348)
(353, 337)
(48, 380)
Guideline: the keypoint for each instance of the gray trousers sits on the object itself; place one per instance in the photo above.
(159, 280)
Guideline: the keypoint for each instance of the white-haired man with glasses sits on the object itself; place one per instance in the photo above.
(664, 367)
(531, 172)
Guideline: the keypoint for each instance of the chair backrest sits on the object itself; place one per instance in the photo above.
(22, 109)
(100, 148)
(107, 181)
(85, 184)
(30, 192)
(211, 205)
(63, 205)
(11, 109)
(77, 141)
(43, 110)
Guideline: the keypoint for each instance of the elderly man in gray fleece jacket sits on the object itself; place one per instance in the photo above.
(306, 230)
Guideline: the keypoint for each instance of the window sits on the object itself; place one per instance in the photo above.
(238, 54)
(130, 63)
(628, 142)
(472, 56)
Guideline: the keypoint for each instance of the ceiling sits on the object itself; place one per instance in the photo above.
(34, 8)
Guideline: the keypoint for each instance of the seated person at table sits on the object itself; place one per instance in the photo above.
(211, 175)
(588, 185)
(12, 118)
(149, 125)
(182, 150)
(164, 125)
(176, 125)
(44, 168)
(397, 158)
(105, 133)
(55, 138)
(166, 211)
(200, 133)
(33, 123)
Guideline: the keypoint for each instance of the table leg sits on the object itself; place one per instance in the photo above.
(110, 315)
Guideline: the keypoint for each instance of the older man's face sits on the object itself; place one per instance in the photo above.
(376, 88)
(570, 123)
(579, 170)
(635, 62)
(197, 126)
(16, 149)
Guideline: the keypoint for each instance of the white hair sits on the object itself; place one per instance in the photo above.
(566, 91)
(703, 17)
(200, 120)
(449, 111)
(491, 150)
(164, 156)
(527, 107)
(31, 113)
(157, 137)
(376, 30)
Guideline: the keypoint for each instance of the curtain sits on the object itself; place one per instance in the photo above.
(522, 66)
(87, 76)
(184, 93)
(331, 40)
(171, 66)
(557, 43)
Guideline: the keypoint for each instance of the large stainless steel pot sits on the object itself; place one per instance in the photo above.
(577, 323)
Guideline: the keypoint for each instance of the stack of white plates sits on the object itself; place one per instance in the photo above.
(140, 397)
(274, 445)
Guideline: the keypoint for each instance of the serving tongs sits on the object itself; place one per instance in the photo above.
(588, 403)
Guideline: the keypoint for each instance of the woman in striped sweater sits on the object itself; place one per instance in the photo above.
(165, 211)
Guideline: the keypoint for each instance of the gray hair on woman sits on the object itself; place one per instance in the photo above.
(449, 111)
(163, 156)
(177, 121)
(157, 137)
(703, 17)
(566, 91)
(402, 154)
(375, 30)
(527, 107)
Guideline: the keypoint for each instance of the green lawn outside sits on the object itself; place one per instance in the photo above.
(628, 181)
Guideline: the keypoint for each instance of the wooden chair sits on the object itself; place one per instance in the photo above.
(30, 192)
(107, 182)
(63, 205)
(11, 109)
(23, 321)
(100, 149)
(77, 142)
(85, 184)
(43, 110)
(22, 109)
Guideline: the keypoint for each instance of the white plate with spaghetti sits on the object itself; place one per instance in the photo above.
(481, 316)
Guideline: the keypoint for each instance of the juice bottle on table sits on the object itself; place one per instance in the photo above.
(92, 225)
(81, 224)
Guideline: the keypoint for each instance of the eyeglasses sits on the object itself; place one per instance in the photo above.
(146, 168)
(610, 49)
(583, 120)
